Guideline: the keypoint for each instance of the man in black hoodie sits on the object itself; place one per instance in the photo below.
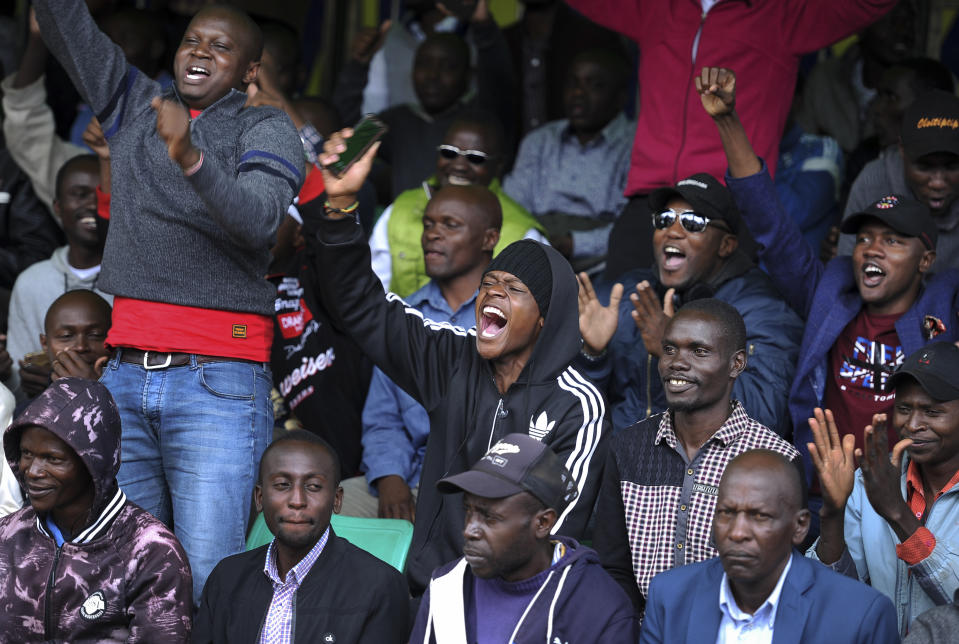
(510, 374)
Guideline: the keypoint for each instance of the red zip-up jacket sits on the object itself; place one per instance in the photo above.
(761, 40)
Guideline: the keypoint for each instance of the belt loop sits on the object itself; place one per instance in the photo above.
(194, 363)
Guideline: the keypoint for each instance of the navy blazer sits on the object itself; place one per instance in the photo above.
(816, 605)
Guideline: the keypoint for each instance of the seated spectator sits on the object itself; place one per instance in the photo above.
(543, 43)
(441, 75)
(759, 589)
(376, 76)
(898, 87)
(696, 255)
(863, 314)
(307, 584)
(471, 154)
(81, 562)
(511, 374)
(655, 508)
(74, 337)
(893, 522)
(571, 173)
(925, 166)
(74, 266)
(809, 177)
(460, 228)
(320, 373)
(516, 582)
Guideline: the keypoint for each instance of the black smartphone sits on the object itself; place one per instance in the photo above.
(368, 131)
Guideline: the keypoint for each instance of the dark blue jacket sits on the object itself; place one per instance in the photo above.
(578, 603)
(630, 376)
(816, 605)
(826, 297)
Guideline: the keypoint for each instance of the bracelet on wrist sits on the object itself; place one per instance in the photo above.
(590, 357)
(349, 210)
(195, 167)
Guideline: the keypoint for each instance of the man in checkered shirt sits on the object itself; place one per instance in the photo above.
(655, 507)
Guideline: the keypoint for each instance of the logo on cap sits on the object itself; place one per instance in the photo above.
(887, 202)
(937, 121)
(503, 448)
(693, 182)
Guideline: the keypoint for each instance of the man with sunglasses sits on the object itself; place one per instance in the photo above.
(696, 255)
(863, 313)
(471, 154)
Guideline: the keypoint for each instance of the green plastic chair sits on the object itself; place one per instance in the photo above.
(387, 539)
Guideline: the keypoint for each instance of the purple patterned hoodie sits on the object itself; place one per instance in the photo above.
(124, 578)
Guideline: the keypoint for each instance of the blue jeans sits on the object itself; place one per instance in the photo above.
(191, 444)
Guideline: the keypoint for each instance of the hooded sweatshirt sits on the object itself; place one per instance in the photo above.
(575, 601)
(124, 577)
(34, 291)
(439, 366)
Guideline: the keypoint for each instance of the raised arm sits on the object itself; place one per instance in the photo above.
(808, 25)
(793, 266)
(96, 65)
(417, 354)
(250, 200)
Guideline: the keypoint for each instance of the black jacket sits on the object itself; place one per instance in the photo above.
(438, 365)
(348, 593)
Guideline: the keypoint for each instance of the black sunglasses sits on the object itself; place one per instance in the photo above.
(692, 221)
(450, 152)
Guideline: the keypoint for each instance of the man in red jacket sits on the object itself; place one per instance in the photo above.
(760, 39)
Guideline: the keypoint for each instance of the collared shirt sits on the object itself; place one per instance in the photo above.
(395, 426)
(668, 499)
(278, 626)
(555, 173)
(743, 628)
(922, 542)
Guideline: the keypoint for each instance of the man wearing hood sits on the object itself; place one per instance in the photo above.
(80, 562)
(696, 236)
(509, 374)
(515, 581)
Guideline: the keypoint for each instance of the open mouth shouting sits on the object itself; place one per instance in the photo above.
(673, 258)
(872, 275)
(492, 322)
(197, 73)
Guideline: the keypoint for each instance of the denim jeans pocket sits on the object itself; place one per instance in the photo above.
(233, 380)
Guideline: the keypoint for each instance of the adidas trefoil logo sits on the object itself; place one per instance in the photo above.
(541, 427)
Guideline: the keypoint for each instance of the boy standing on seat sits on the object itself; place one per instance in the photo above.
(313, 586)
(200, 183)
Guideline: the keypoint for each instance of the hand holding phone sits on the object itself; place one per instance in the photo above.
(368, 131)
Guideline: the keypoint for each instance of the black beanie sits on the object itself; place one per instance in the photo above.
(527, 260)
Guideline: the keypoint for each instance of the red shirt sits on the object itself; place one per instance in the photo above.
(922, 542)
(860, 362)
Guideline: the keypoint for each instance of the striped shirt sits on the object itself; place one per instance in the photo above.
(669, 500)
(278, 626)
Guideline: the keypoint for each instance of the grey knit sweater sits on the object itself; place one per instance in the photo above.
(202, 240)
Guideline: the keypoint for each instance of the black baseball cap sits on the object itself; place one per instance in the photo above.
(903, 214)
(931, 124)
(705, 193)
(517, 463)
(935, 367)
